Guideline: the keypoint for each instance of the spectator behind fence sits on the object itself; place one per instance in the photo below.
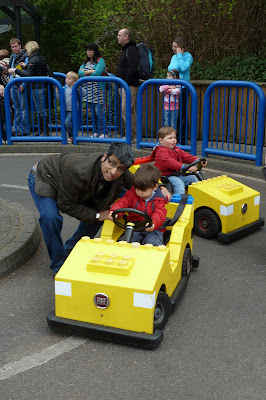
(170, 159)
(4, 62)
(36, 66)
(18, 94)
(71, 79)
(127, 70)
(145, 196)
(2, 114)
(181, 61)
(171, 100)
(94, 65)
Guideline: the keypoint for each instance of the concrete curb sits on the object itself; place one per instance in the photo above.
(19, 236)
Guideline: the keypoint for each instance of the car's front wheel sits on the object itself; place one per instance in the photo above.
(162, 310)
(187, 262)
(207, 223)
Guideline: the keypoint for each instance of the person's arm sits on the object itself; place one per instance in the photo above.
(184, 62)
(99, 68)
(158, 217)
(124, 202)
(81, 72)
(163, 88)
(166, 162)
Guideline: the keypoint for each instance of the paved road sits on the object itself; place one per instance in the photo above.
(214, 343)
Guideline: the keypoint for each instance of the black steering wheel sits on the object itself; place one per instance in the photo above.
(185, 169)
(139, 226)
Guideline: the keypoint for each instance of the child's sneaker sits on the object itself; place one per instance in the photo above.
(70, 140)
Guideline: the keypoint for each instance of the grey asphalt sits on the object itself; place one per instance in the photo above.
(19, 233)
(214, 342)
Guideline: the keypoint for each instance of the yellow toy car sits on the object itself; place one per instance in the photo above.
(122, 291)
(224, 208)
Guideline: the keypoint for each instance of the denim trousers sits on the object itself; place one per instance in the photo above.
(21, 102)
(155, 237)
(68, 123)
(170, 118)
(51, 223)
(98, 118)
(180, 182)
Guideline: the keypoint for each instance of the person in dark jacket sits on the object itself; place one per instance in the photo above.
(36, 66)
(2, 114)
(83, 186)
(19, 93)
(127, 70)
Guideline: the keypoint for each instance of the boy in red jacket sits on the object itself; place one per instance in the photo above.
(145, 196)
(170, 159)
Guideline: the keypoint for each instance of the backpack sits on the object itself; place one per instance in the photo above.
(146, 61)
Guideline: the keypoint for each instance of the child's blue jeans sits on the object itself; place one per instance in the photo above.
(180, 182)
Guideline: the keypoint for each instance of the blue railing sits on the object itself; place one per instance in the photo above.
(150, 102)
(36, 113)
(97, 110)
(230, 125)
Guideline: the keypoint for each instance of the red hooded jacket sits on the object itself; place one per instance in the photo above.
(171, 160)
(155, 207)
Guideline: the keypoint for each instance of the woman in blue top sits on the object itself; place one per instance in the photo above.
(182, 61)
(94, 65)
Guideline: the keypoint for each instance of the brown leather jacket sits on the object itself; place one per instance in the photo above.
(71, 180)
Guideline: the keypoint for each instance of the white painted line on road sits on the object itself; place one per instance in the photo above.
(14, 186)
(11, 369)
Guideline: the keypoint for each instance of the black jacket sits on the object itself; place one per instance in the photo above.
(127, 68)
(37, 66)
(20, 58)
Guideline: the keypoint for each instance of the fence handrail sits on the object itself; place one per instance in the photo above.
(194, 107)
(260, 128)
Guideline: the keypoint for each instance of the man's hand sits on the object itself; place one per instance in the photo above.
(104, 215)
(150, 229)
(110, 216)
(166, 193)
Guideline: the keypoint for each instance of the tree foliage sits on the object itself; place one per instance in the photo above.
(217, 32)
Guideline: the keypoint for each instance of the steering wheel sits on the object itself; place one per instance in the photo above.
(185, 170)
(139, 226)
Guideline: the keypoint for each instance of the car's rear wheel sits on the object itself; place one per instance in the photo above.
(207, 224)
(187, 262)
(162, 310)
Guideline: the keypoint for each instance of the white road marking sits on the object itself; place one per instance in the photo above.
(28, 362)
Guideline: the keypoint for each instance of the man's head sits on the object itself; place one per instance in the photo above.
(146, 180)
(124, 36)
(167, 137)
(118, 157)
(15, 45)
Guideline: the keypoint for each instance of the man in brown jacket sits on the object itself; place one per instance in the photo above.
(81, 185)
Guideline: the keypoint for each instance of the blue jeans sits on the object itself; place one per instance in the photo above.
(51, 223)
(21, 102)
(155, 237)
(179, 182)
(98, 118)
(170, 118)
(68, 123)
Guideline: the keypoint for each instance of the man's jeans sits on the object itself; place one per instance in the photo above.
(21, 101)
(51, 223)
(179, 182)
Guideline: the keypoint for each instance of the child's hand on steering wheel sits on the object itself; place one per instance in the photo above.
(150, 229)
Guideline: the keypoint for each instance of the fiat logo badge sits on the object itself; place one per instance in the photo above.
(244, 208)
(101, 300)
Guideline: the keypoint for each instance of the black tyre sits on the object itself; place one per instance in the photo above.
(162, 310)
(187, 262)
(207, 224)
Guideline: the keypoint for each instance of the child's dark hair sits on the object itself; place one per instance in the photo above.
(95, 48)
(146, 176)
(164, 131)
(174, 73)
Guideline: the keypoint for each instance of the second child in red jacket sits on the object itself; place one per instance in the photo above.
(170, 160)
(145, 196)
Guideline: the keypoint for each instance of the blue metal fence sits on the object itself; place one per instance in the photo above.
(232, 126)
(151, 103)
(36, 113)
